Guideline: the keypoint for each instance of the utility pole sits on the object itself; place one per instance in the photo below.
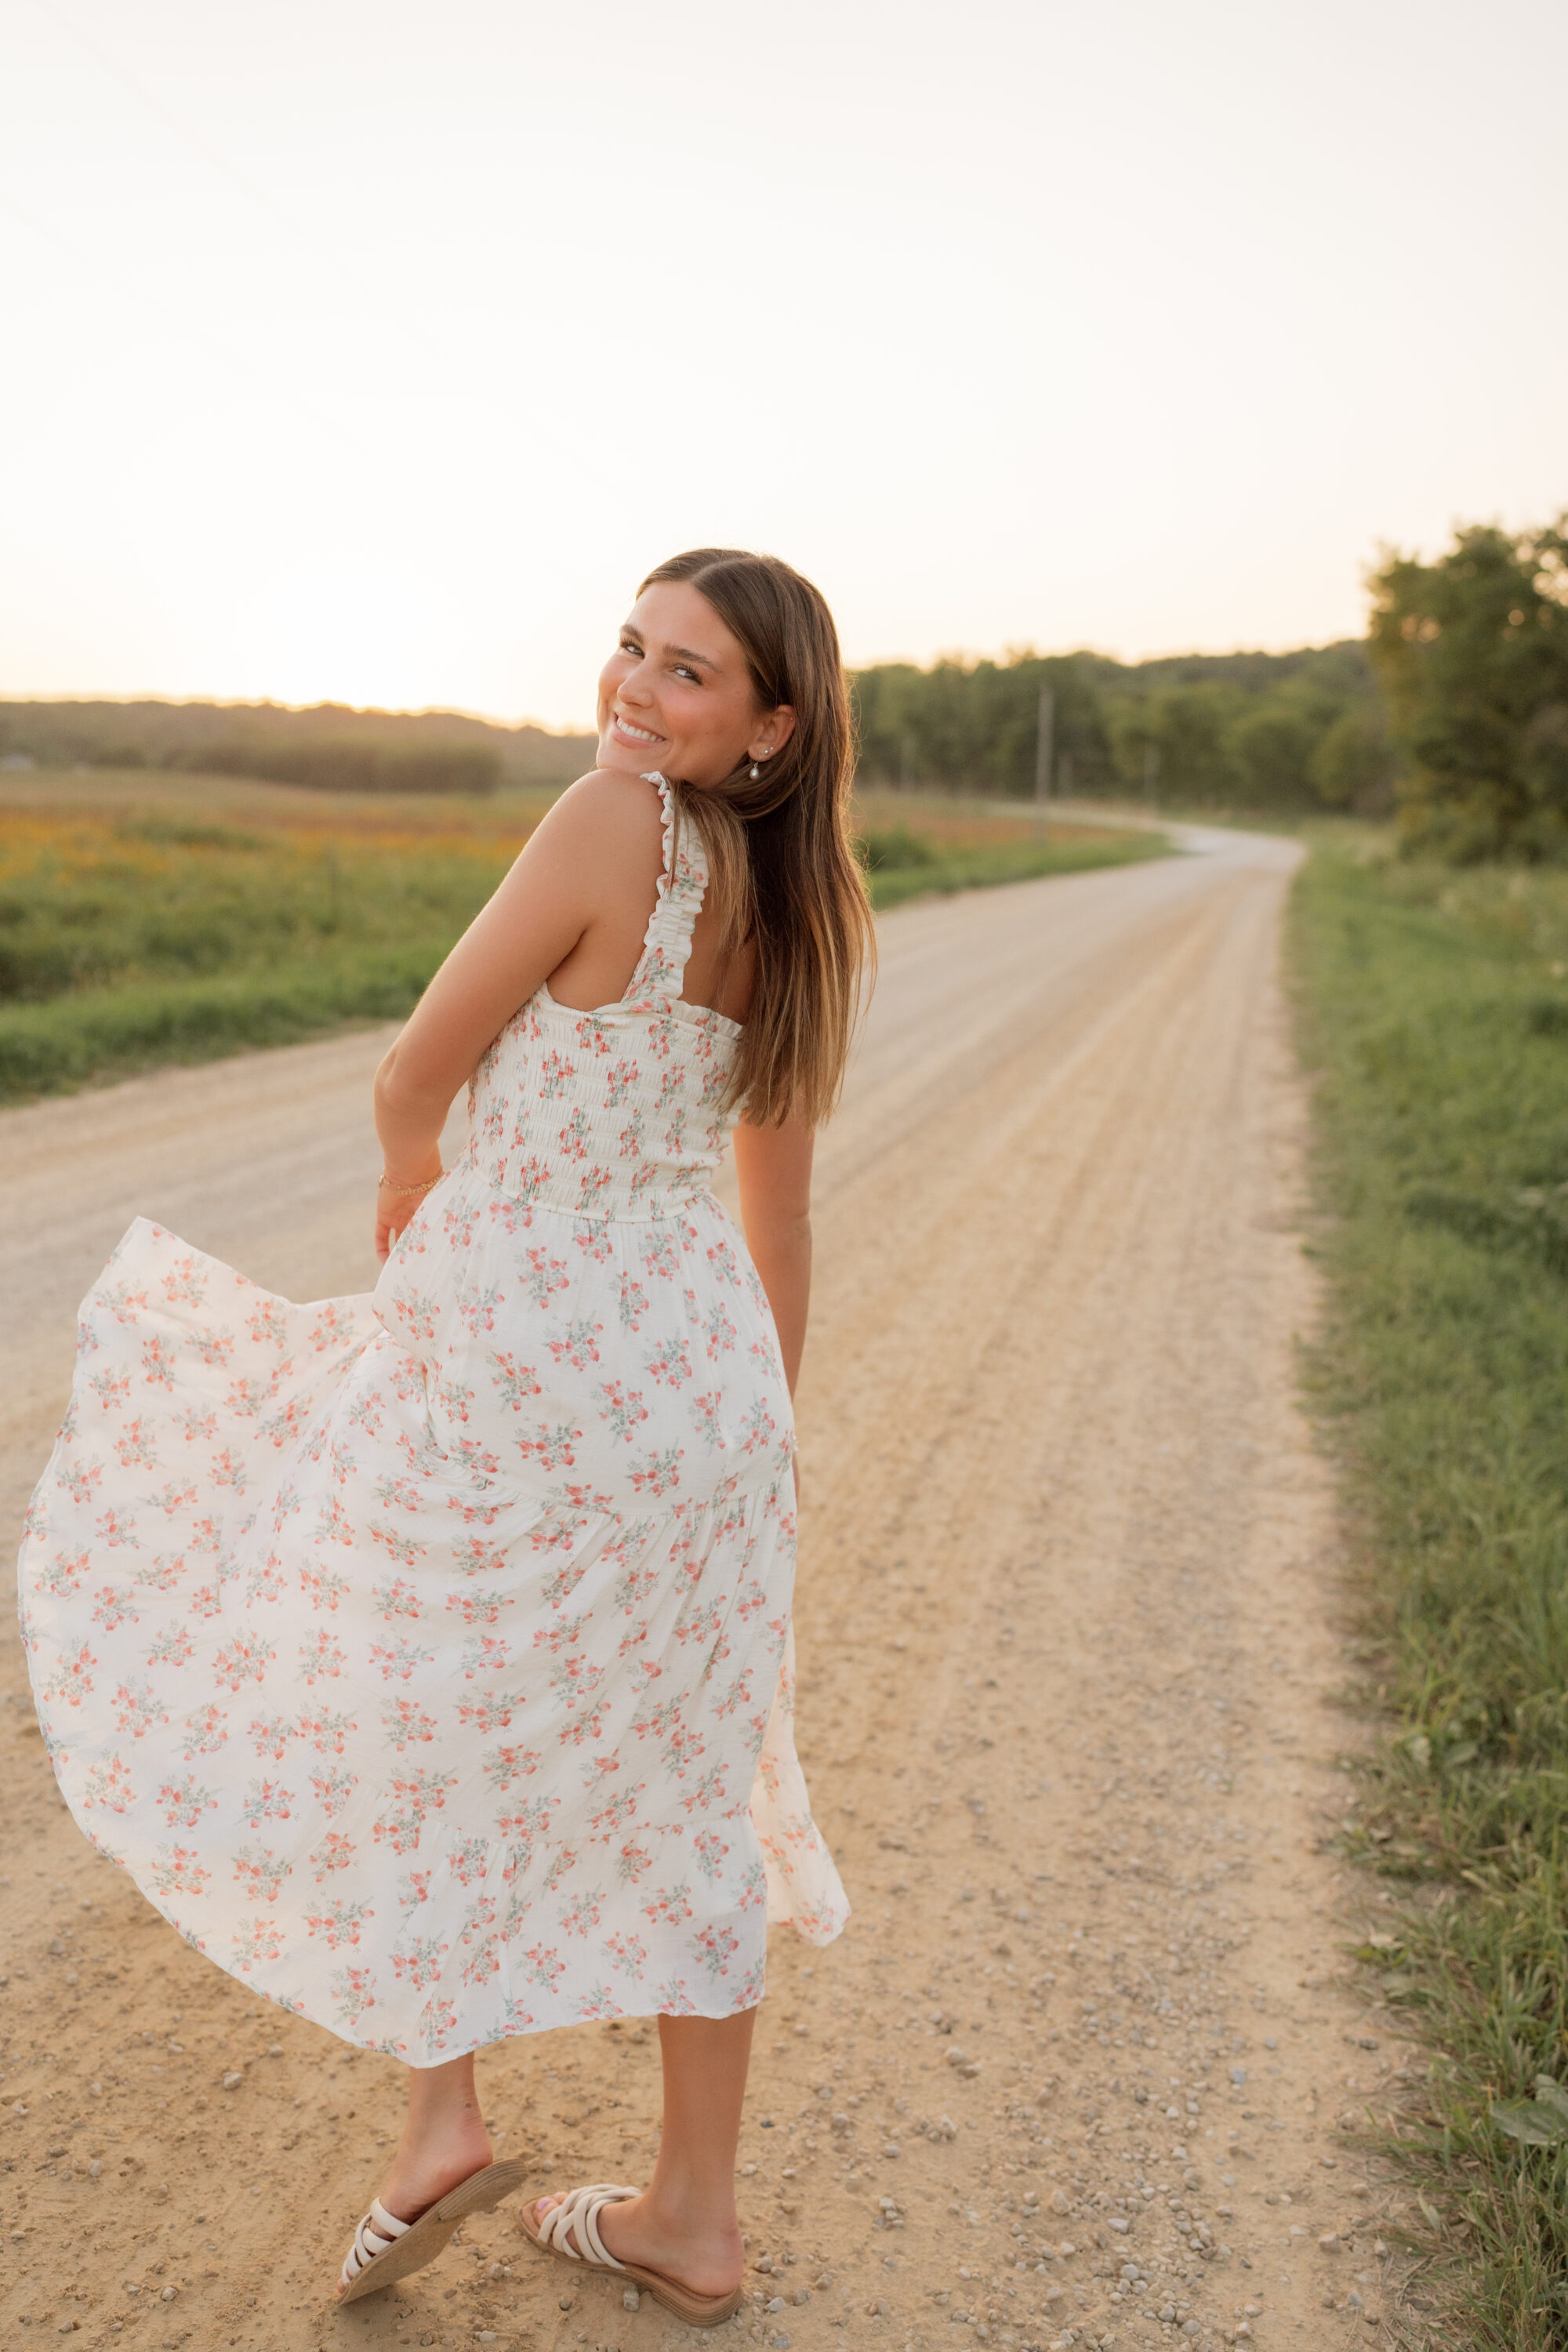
(1044, 734)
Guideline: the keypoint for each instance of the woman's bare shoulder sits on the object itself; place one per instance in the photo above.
(609, 809)
(605, 829)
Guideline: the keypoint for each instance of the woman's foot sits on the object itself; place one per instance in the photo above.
(444, 2142)
(703, 2253)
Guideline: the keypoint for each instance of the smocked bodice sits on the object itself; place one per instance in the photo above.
(614, 1113)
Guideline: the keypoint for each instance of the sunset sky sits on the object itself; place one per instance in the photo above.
(372, 351)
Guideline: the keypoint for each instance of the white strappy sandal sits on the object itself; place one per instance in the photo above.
(386, 2250)
(580, 2212)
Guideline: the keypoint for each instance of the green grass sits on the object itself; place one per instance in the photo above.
(105, 1032)
(147, 922)
(904, 865)
(131, 938)
(1436, 1012)
(199, 902)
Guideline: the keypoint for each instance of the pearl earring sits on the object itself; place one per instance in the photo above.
(766, 753)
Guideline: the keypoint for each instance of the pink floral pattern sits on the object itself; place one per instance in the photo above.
(426, 1656)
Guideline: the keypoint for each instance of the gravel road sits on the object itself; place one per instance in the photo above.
(1069, 1633)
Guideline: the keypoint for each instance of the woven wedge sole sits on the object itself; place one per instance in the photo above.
(422, 2240)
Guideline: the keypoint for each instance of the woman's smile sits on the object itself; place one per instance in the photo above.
(631, 733)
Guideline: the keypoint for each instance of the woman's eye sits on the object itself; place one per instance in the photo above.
(681, 671)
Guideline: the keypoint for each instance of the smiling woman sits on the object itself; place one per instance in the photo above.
(498, 1562)
(721, 647)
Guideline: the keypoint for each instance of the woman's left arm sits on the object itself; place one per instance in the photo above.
(774, 1165)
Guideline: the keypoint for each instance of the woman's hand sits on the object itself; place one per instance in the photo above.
(393, 1208)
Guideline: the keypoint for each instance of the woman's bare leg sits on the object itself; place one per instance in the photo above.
(685, 2223)
(444, 2138)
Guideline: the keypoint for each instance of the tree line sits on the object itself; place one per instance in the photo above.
(1287, 731)
(1453, 712)
(330, 747)
(1246, 730)
(1250, 730)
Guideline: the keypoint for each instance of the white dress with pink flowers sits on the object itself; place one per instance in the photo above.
(426, 1656)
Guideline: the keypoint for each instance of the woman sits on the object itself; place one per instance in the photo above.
(426, 1656)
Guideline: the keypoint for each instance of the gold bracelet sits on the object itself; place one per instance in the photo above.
(404, 1192)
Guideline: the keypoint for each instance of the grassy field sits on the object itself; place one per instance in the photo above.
(917, 843)
(1435, 1011)
(147, 920)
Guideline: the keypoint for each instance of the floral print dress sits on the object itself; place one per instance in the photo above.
(426, 1656)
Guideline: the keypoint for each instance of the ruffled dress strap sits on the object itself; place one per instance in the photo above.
(682, 884)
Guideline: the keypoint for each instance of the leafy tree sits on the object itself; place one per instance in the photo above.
(1192, 729)
(1353, 764)
(1272, 747)
(1473, 654)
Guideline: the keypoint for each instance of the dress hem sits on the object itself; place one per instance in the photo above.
(457, 2046)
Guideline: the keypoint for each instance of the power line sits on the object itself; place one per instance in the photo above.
(175, 122)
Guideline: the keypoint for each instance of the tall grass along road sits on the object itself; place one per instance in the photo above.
(1436, 1008)
(1066, 1623)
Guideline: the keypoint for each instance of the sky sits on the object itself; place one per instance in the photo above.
(372, 351)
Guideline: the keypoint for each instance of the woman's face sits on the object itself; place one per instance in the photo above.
(676, 694)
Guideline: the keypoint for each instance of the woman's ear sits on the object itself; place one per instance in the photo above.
(772, 733)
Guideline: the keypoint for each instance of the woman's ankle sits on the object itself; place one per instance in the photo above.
(696, 2244)
(691, 2210)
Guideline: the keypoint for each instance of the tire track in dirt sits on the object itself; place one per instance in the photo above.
(1066, 1619)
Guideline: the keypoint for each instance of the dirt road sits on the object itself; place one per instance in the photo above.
(1067, 1621)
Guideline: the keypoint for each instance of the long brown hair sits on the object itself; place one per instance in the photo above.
(782, 866)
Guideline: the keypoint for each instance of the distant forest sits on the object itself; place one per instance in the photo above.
(329, 746)
(1293, 730)
(1250, 730)
(1452, 713)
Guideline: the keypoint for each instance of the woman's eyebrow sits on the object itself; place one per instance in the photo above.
(684, 653)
